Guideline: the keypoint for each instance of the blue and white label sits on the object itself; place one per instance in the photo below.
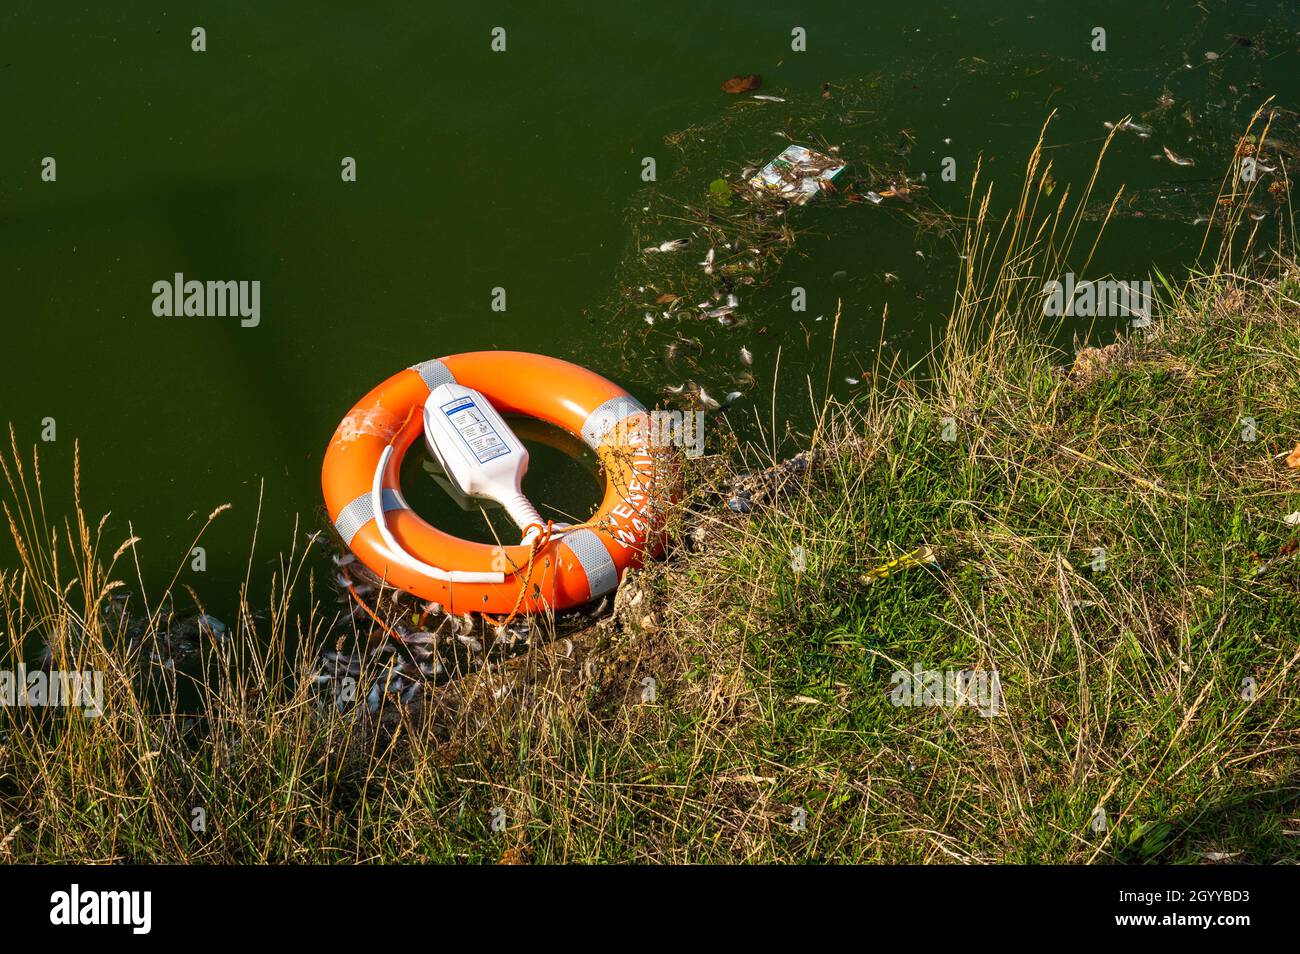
(475, 430)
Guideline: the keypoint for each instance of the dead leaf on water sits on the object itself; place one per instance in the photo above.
(742, 84)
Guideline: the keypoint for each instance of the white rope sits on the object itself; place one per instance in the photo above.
(404, 558)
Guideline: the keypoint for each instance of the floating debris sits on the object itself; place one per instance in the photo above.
(746, 357)
(769, 99)
(710, 200)
(672, 245)
(184, 638)
(896, 191)
(695, 538)
(472, 644)
(1127, 125)
(742, 84)
(797, 175)
(160, 637)
(682, 347)
(1177, 159)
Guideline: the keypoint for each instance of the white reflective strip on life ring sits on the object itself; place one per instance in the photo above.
(360, 511)
(606, 416)
(434, 373)
(594, 557)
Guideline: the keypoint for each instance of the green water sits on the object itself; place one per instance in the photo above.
(521, 170)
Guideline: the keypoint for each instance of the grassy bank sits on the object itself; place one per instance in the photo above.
(1102, 529)
(1108, 543)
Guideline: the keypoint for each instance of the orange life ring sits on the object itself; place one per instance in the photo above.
(574, 566)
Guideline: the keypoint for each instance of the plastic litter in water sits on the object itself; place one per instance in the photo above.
(797, 175)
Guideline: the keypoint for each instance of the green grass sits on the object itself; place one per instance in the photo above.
(772, 735)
